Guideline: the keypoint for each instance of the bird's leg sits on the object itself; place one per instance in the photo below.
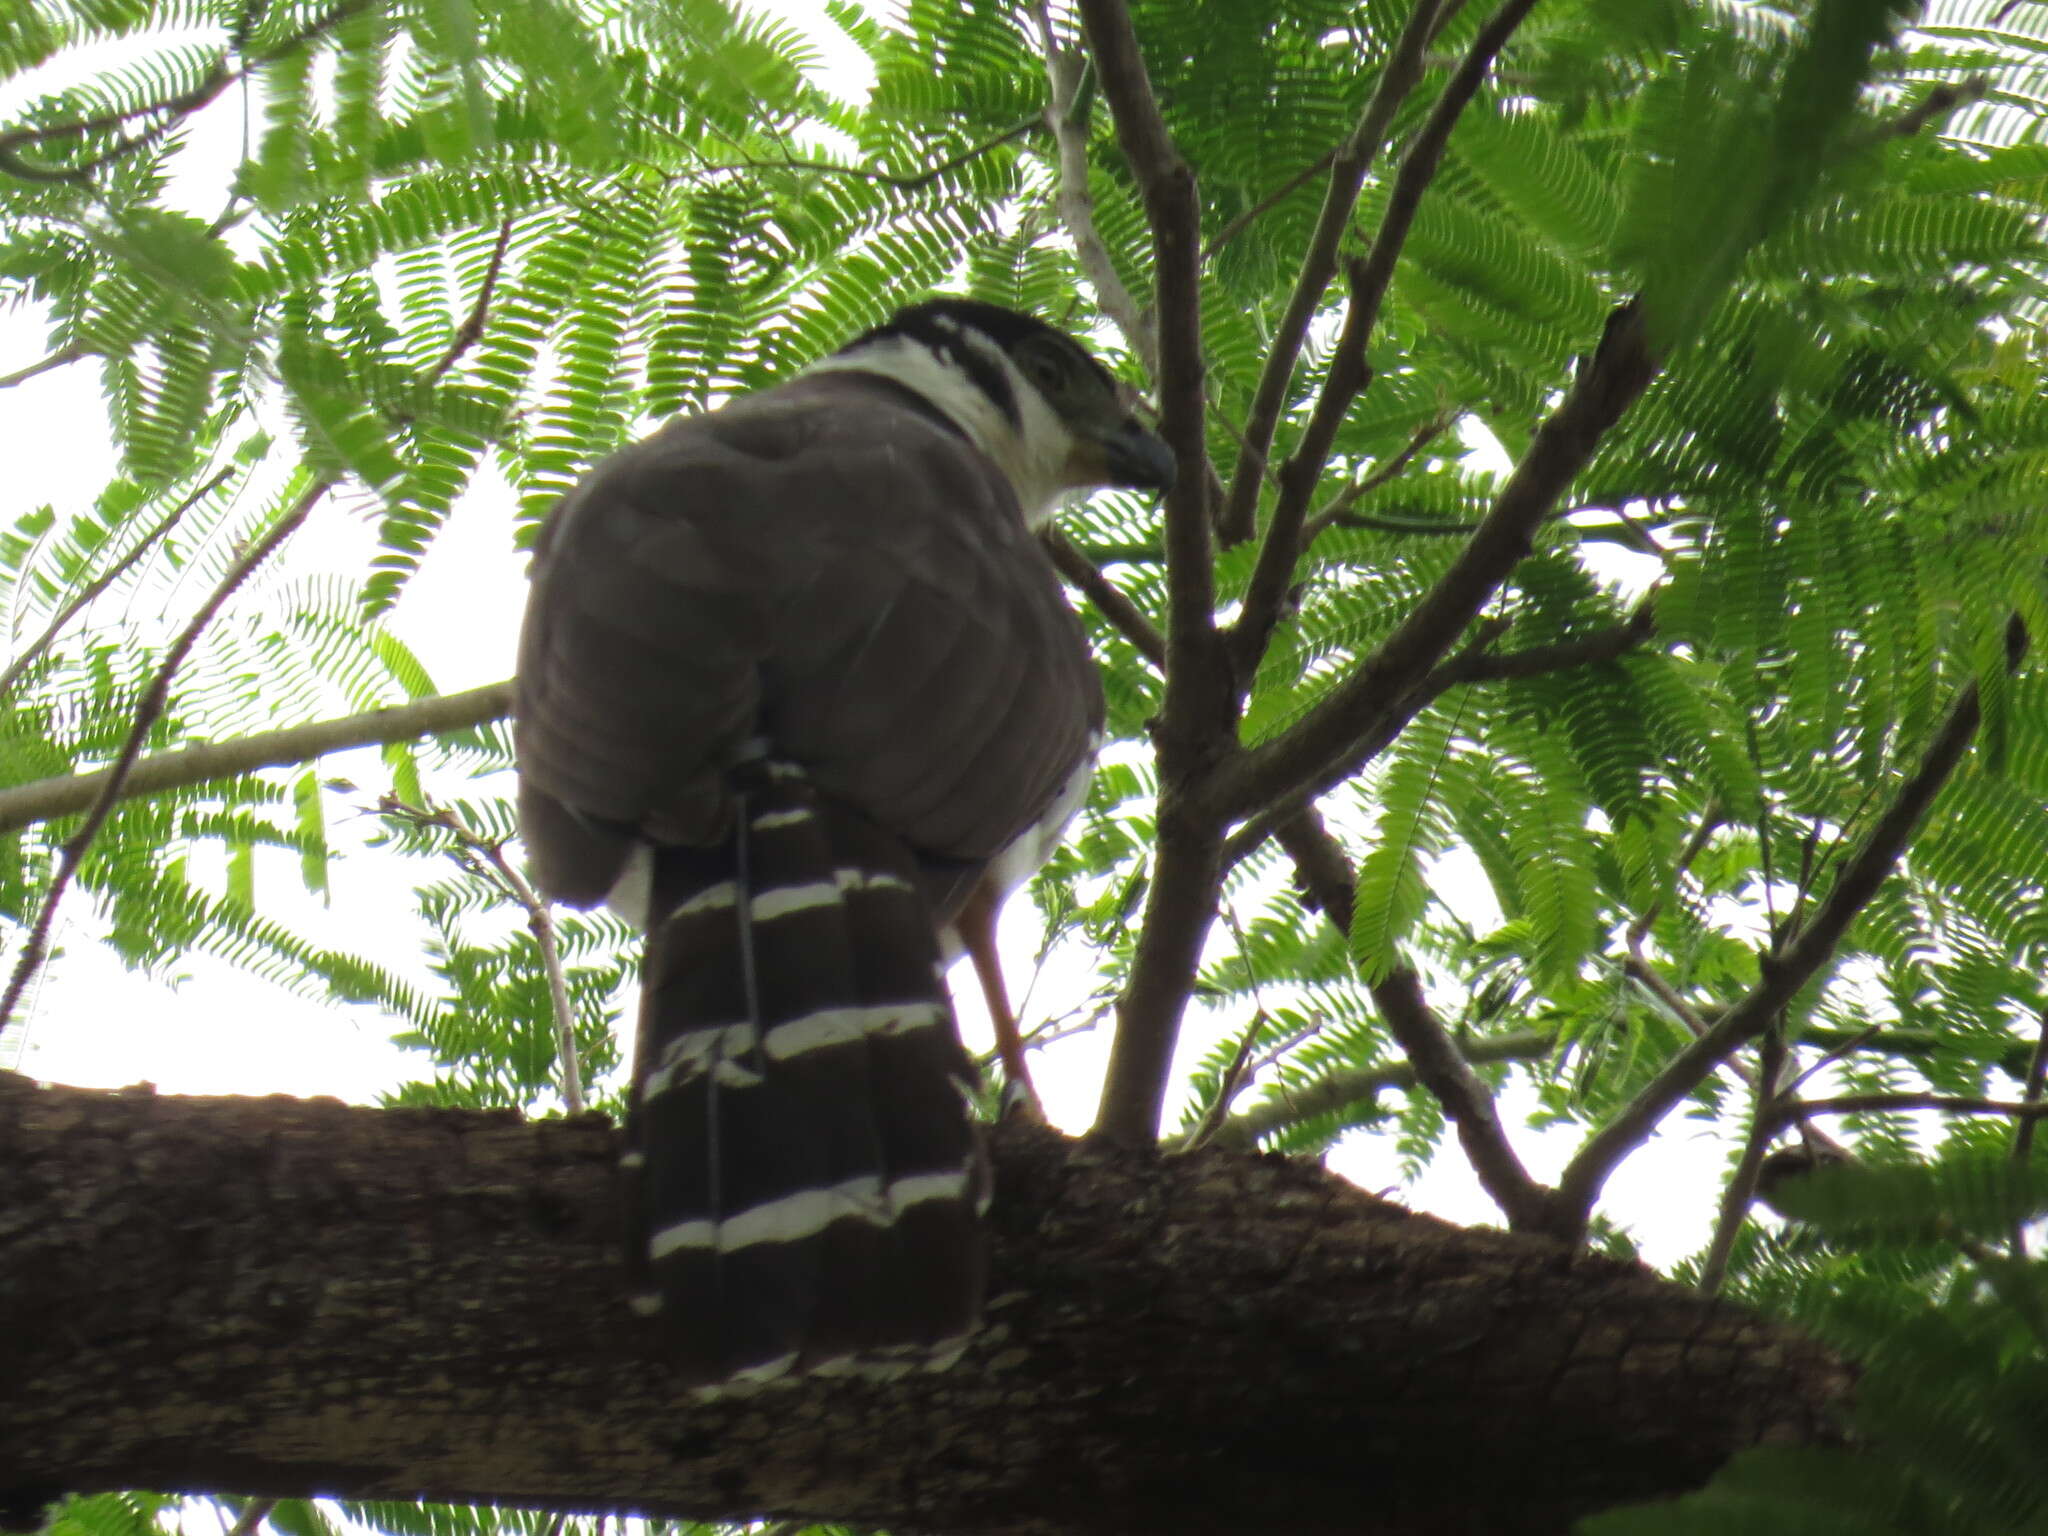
(976, 925)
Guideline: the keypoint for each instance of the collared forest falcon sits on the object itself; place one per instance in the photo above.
(799, 689)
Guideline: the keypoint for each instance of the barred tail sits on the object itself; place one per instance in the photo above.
(804, 1181)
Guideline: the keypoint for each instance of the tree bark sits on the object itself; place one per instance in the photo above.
(283, 1297)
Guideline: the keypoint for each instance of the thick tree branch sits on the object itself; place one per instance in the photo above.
(1322, 747)
(1197, 722)
(1167, 186)
(1348, 165)
(287, 1298)
(1368, 280)
(47, 798)
(1180, 904)
(1444, 1071)
(1800, 959)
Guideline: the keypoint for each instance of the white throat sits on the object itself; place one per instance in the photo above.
(1032, 453)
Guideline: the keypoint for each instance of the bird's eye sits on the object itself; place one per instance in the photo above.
(1045, 369)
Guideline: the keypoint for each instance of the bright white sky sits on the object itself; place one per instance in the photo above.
(213, 1029)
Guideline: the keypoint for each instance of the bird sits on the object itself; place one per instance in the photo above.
(800, 693)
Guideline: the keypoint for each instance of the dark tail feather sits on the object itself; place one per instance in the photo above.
(804, 1180)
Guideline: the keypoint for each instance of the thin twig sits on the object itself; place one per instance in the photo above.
(486, 857)
(57, 359)
(253, 1514)
(1338, 508)
(100, 583)
(914, 181)
(1793, 1111)
(1937, 104)
(175, 109)
(1740, 1191)
(471, 331)
(1066, 71)
(1270, 201)
(1348, 165)
(44, 799)
(1367, 280)
(1340, 1090)
(148, 710)
(2023, 1137)
(1233, 1075)
(1228, 1084)
(1712, 819)
(1806, 951)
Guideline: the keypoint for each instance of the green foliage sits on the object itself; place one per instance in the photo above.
(472, 246)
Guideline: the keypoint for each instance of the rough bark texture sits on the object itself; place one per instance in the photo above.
(287, 1297)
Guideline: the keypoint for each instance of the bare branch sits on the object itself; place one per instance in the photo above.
(1337, 510)
(148, 710)
(174, 110)
(1341, 1090)
(44, 799)
(1179, 906)
(912, 182)
(485, 857)
(1438, 1063)
(1474, 664)
(1741, 1188)
(1347, 375)
(2023, 1137)
(1796, 1110)
(1348, 165)
(1066, 70)
(1124, 615)
(1319, 747)
(1270, 201)
(1530, 1206)
(1198, 721)
(60, 358)
(1168, 189)
(1801, 958)
(92, 589)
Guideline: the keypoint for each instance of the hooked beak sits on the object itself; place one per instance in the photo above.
(1134, 457)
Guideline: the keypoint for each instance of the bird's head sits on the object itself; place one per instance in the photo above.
(1027, 394)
